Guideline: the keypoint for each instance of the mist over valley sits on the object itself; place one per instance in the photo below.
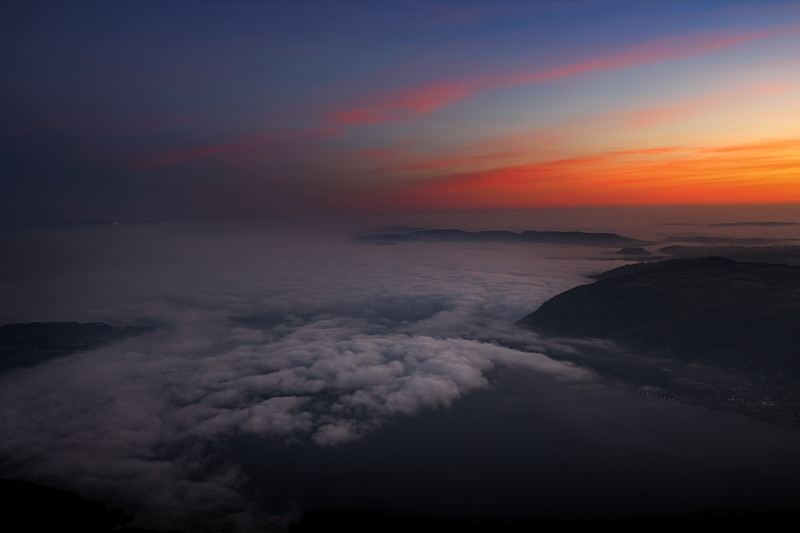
(275, 374)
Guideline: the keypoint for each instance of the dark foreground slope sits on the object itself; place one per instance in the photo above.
(31, 507)
(693, 315)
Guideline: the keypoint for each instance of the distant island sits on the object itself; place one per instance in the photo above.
(29, 343)
(714, 331)
(529, 236)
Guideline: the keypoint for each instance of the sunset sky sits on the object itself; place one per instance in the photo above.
(221, 175)
(158, 110)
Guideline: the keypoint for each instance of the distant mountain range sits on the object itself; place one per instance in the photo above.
(530, 236)
(690, 314)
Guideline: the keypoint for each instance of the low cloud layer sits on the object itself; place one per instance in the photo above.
(138, 421)
(280, 361)
(310, 343)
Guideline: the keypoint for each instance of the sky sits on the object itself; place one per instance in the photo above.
(207, 109)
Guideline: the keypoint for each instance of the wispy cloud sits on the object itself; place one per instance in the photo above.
(171, 158)
(690, 107)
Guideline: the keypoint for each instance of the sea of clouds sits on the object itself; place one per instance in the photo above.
(309, 339)
(303, 340)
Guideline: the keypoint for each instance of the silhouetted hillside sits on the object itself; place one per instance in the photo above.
(739, 317)
(32, 507)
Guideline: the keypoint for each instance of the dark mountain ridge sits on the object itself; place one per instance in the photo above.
(741, 318)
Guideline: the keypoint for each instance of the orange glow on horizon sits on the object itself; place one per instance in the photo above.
(767, 172)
